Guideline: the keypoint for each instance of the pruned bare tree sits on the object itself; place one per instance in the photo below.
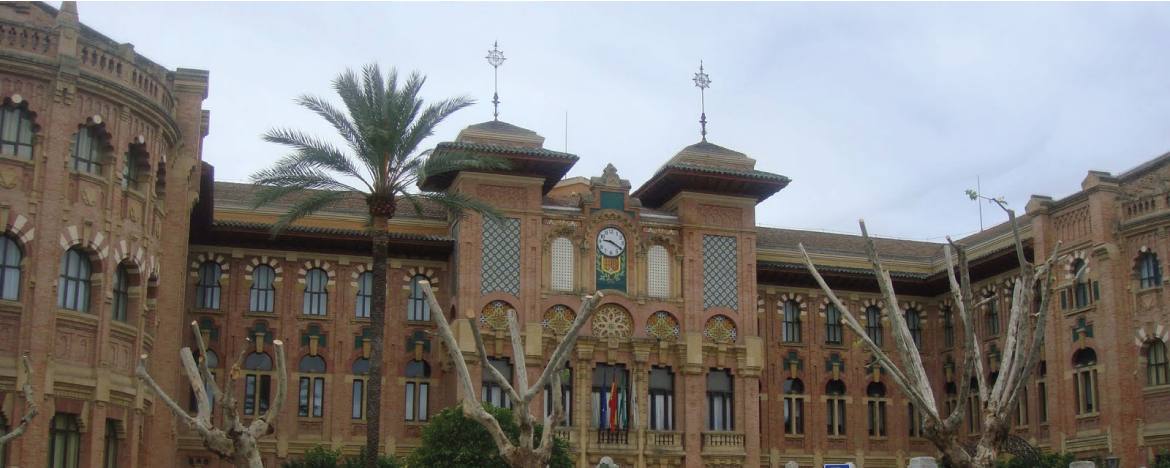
(524, 454)
(1025, 335)
(236, 444)
(30, 412)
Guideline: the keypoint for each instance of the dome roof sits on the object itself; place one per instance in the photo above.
(500, 133)
(712, 155)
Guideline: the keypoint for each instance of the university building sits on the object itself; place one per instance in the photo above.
(116, 237)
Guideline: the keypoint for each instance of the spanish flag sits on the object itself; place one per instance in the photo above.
(613, 401)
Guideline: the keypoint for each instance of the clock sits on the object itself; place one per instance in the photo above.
(611, 242)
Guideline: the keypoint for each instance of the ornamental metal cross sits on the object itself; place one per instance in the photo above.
(702, 81)
(495, 57)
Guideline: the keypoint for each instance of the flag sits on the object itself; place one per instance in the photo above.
(603, 421)
(613, 403)
(623, 421)
(634, 401)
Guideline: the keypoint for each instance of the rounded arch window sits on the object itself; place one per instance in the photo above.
(312, 364)
(418, 370)
(793, 386)
(1156, 365)
(361, 366)
(258, 362)
(835, 388)
(16, 130)
(1085, 357)
(876, 390)
(73, 288)
(10, 257)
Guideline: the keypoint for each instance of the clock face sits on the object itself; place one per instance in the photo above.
(611, 242)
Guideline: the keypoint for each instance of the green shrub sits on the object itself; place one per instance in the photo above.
(1048, 460)
(451, 440)
(320, 457)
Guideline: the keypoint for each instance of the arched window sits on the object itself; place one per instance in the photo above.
(793, 406)
(262, 297)
(1081, 289)
(876, 392)
(417, 390)
(916, 421)
(1042, 389)
(914, 324)
(417, 308)
(658, 266)
(10, 257)
(1156, 366)
(991, 318)
(361, 368)
(87, 155)
(1085, 374)
(316, 296)
(257, 383)
(16, 132)
(207, 289)
(365, 283)
(661, 399)
(562, 264)
(835, 406)
(64, 441)
(121, 293)
(833, 328)
(73, 287)
(974, 409)
(873, 324)
(720, 401)
(1149, 272)
(490, 391)
(791, 321)
(952, 397)
(312, 396)
(948, 327)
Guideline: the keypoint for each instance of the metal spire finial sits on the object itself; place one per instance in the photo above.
(496, 58)
(702, 81)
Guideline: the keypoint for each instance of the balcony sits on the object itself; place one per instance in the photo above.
(723, 441)
(616, 437)
(664, 441)
(569, 434)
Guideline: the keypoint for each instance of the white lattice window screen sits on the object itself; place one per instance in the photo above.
(659, 267)
(562, 264)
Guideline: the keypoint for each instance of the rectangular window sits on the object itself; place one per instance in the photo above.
(1042, 389)
(1086, 391)
(877, 418)
(720, 272)
(358, 409)
(491, 391)
(111, 458)
(417, 308)
(566, 402)
(832, 325)
(1022, 409)
(661, 399)
(658, 264)
(257, 389)
(915, 418)
(836, 416)
(610, 397)
(793, 415)
(720, 399)
(948, 328)
(312, 397)
(562, 264)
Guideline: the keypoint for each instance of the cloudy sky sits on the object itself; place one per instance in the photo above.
(881, 111)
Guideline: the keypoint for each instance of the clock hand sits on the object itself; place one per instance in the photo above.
(612, 243)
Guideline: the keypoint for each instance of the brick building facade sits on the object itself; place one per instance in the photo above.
(728, 351)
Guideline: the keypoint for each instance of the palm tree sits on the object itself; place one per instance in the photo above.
(382, 125)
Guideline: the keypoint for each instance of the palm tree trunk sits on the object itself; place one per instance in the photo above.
(381, 238)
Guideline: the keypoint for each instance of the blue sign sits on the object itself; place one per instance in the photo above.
(837, 465)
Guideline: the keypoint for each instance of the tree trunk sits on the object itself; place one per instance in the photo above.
(249, 454)
(377, 331)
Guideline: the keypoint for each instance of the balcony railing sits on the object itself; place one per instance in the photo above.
(566, 433)
(668, 440)
(722, 440)
(618, 437)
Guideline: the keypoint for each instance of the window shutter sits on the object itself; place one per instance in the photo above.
(1096, 290)
(1063, 300)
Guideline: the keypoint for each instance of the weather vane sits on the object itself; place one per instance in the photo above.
(496, 58)
(702, 81)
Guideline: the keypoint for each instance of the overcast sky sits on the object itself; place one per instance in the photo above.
(881, 111)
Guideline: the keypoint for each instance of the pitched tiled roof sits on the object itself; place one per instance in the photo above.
(330, 231)
(844, 243)
(995, 231)
(490, 148)
(496, 126)
(245, 193)
(753, 174)
(840, 270)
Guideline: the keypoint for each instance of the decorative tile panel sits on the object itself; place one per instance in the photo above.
(720, 329)
(663, 326)
(562, 264)
(658, 264)
(612, 321)
(558, 318)
(501, 257)
(495, 315)
(720, 272)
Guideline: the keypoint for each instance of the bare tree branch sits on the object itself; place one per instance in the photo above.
(31, 411)
(523, 455)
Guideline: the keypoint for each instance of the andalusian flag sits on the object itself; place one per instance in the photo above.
(622, 409)
(613, 404)
(603, 421)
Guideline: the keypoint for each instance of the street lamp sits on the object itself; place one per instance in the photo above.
(1113, 462)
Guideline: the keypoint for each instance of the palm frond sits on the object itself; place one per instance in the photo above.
(341, 122)
(313, 153)
(456, 204)
(279, 181)
(444, 162)
(311, 204)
